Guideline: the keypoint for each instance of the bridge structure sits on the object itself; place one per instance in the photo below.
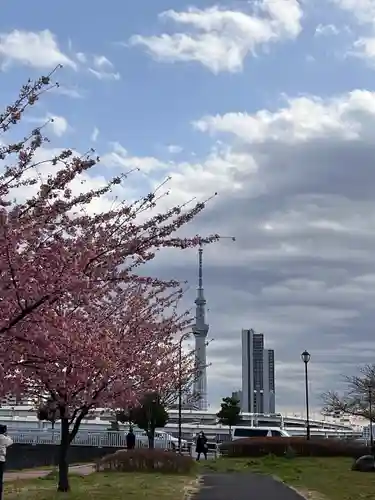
(22, 420)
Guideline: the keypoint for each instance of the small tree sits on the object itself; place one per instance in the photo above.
(230, 412)
(149, 415)
(356, 399)
(114, 427)
(123, 417)
(48, 412)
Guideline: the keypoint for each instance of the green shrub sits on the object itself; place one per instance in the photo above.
(144, 459)
(296, 446)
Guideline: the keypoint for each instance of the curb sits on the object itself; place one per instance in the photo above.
(276, 478)
(193, 488)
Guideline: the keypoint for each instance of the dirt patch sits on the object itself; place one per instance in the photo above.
(81, 470)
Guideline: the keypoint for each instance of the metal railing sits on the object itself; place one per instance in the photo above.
(111, 439)
(103, 439)
(213, 448)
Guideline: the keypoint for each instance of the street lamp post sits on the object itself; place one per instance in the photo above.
(370, 417)
(306, 358)
(183, 337)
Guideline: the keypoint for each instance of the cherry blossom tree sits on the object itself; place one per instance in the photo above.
(77, 322)
(103, 355)
(52, 249)
(181, 371)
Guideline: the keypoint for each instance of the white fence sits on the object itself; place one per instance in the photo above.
(111, 439)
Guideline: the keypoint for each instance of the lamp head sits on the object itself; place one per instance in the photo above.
(305, 356)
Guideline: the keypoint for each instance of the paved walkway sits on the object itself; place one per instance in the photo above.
(243, 487)
(81, 470)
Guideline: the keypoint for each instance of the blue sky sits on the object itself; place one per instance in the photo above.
(153, 103)
(271, 104)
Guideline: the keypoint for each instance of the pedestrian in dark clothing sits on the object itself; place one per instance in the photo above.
(201, 445)
(130, 440)
(5, 441)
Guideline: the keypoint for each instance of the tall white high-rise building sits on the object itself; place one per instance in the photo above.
(200, 331)
(258, 374)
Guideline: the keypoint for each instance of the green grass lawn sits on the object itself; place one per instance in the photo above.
(317, 478)
(104, 486)
(323, 478)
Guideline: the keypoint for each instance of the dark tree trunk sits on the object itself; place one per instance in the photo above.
(63, 457)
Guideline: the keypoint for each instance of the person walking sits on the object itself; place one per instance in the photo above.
(130, 440)
(5, 442)
(201, 445)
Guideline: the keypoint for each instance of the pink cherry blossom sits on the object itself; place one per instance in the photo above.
(78, 324)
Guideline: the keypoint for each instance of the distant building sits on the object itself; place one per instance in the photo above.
(269, 380)
(258, 374)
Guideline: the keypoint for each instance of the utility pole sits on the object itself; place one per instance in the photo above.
(370, 417)
(306, 358)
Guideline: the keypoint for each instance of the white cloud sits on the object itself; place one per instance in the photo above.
(37, 49)
(362, 10)
(103, 75)
(72, 92)
(95, 134)
(303, 119)
(58, 124)
(101, 66)
(120, 158)
(82, 58)
(221, 39)
(102, 62)
(363, 13)
(365, 48)
(174, 149)
(326, 29)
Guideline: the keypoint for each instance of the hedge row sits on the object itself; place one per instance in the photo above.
(293, 446)
(144, 459)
